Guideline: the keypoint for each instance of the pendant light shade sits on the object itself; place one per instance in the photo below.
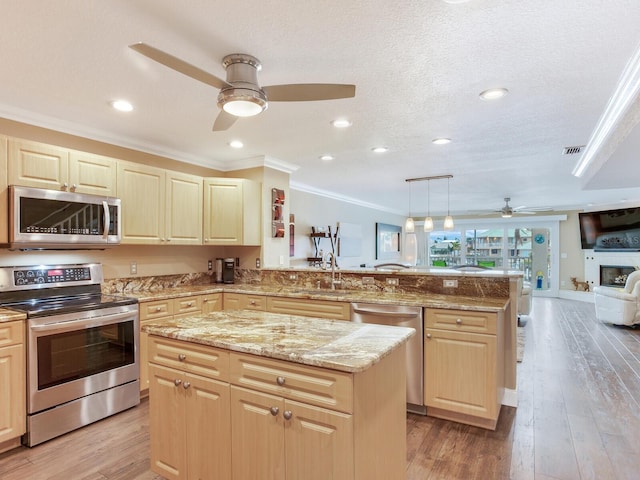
(409, 224)
(448, 220)
(428, 221)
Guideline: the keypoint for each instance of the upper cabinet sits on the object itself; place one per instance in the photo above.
(34, 164)
(159, 206)
(232, 208)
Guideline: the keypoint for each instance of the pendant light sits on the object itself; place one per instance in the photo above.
(448, 220)
(428, 221)
(409, 224)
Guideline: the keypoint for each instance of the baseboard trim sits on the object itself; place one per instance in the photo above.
(573, 295)
(510, 397)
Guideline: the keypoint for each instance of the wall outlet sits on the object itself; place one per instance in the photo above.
(368, 280)
(293, 276)
(450, 283)
(257, 263)
(393, 281)
(210, 265)
(133, 268)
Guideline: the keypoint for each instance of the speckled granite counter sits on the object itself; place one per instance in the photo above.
(337, 345)
(7, 315)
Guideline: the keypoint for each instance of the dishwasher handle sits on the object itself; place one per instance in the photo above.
(378, 311)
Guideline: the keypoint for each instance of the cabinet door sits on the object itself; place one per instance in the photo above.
(208, 421)
(183, 223)
(223, 206)
(211, 303)
(4, 196)
(33, 164)
(257, 436)
(460, 372)
(319, 443)
(92, 174)
(167, 426)
(12, 392)
(144, 353)
(142, 190)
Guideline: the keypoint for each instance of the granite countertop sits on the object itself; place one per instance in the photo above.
(348, 296)
(8, 315)
(334, 344)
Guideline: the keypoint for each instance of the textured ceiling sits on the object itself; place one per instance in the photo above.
(418, 65)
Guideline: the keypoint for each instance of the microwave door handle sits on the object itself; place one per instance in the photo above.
(107, 220)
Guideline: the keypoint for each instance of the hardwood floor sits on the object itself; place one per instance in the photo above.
(577, 418)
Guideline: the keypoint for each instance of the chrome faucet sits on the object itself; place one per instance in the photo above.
(334, 282)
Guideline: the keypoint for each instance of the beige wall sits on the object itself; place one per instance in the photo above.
(571, 253)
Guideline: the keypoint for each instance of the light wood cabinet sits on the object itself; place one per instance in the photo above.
(232, 212)
(12, 384)
(189, 419)
(309, 308)
(211, 302)
(4, 192)
(34, 164)
(243, 301)
(159, 206)
(463, 367)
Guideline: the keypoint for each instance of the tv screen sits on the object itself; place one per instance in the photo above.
(611, 230)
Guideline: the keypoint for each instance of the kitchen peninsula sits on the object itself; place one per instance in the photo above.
(244, 392)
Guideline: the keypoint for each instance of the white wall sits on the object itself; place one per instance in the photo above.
(312, 209)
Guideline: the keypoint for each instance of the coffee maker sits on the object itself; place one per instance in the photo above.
(228, 270)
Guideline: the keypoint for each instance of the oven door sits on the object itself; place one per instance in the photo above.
(42, 218)
(73, 355)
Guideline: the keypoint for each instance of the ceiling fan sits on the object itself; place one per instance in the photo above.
(240, 94)
(507, 211)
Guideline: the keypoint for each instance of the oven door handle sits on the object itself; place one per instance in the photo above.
(107, 220)
(70, 325)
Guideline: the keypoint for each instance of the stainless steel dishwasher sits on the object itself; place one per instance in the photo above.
(401, 316)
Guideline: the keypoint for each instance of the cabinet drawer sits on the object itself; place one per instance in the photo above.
(241, 301)
(11, 333)
(156, 309)
(461, 320)
(316, 386)
(184, 305)
(309, 308)
(202, 360)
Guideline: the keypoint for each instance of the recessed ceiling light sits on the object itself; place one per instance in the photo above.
(122, 105)
(236, 144)
(341, 123)
(326, 157)
(494, 93)
(379, 149)
(441, 141)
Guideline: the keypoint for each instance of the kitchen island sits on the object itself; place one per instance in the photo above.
(261, 395)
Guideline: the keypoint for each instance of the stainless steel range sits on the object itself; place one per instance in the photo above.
(82, 347)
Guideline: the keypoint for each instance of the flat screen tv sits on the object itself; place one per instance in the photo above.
(611, 230)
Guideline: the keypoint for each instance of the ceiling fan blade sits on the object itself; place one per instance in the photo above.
(179, 65)
(223, 121)
(304, 92)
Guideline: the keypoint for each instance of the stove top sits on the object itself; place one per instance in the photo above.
(45, 290)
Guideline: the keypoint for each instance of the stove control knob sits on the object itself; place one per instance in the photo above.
(40, 280)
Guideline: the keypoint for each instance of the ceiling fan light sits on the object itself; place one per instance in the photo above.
(428, 224)
(507, 214)
(242, 102)
(448, 222)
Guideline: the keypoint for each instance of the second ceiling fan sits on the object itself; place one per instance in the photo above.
(240, 94)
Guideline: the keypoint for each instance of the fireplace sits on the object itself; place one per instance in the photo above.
(614, 275)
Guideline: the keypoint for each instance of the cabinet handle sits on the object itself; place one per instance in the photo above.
(252, 302)
(190, 304)
(186, 385)
(280, 381)
(287, 414)
(459, 321)
(206, 240)
(428, 335)
(182, 357)
(158, 309)
(73, 187)
(65, 185)
(168, 239)
(205, 300)
(274, 411)
(177, 382)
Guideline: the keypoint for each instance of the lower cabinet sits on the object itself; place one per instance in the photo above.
(243, 301)
(12, 384)
(289, 440)
(463, 374)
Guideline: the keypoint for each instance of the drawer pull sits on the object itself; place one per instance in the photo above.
(205, 300)
(252, 302)
(287, 414)
(190, 304)
(177, 382)
(274, 411)
(182, 357)
(186, 385)
(280, 381)
(158, 309)
(428, 335)
(459, 321)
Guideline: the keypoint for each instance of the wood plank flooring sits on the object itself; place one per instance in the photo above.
(577, 418)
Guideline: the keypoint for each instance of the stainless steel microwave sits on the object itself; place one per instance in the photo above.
(49, 219)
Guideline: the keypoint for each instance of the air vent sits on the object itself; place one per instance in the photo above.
(572, 150)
